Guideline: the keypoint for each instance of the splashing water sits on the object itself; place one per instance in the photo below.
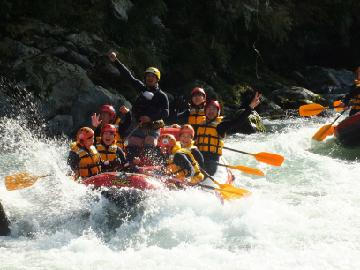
(302, 215)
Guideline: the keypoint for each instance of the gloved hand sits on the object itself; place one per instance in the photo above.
(148, 95)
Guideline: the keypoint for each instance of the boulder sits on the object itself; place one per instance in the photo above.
(60, 124)
(294, 96)
(325, 80)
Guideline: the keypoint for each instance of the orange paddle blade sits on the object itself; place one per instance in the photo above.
(269, 158)
(230, 192)
(20, 180)
(338, 105)
(311, 109)
(247, 170)
(323, 132)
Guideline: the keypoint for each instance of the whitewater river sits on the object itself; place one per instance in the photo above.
(302, 215)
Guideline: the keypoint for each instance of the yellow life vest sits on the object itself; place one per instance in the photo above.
(171, 167)
(196, 116)
(119, 140)
(198, 176)
(208, 139)
(355, 102)
(107, 153)
(89, 163)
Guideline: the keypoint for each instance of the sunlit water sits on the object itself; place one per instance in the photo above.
(302, 215)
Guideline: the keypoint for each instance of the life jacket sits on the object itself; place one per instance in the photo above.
(198, 176)
(120, 141)
(107, 153)
(208, 139)
(196, 117)
(355, 102)
(173, 169)
(89, 163)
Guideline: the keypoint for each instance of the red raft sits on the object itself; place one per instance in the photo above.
(121, 180)
(348, 131)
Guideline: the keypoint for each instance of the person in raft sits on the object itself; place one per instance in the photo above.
(211, 133)
(112, 156)
(186, 139)
(353, 97)
(195, 115)
(150, 110)
(84, 160)
(179, 163)
(108, 115)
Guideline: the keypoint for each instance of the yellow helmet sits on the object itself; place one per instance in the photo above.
(155, 71)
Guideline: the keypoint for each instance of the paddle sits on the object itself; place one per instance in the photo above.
(314, 108)
(268, 158)
(244, 169)
(227, 191)
(21, 180)
(326, 130)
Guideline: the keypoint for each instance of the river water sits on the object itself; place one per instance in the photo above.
(302, 215)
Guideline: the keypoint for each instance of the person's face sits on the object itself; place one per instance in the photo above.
(185, 139)
(105, 118)
(108, 137)
(211, 112)
(88, 142)
(198, 99)
(150, 80)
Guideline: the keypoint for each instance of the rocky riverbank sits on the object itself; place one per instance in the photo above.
(67, 75)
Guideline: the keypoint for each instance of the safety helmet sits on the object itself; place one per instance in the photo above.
(167, 141)
(213, 103)
(198, 90)
(187, 129)
(108, 109)
(155, 71)
(108, 128)
(84, 133)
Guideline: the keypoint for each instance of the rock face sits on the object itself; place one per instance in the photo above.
(55, 65)
(4, 222)
(325, 80)
(293, 97)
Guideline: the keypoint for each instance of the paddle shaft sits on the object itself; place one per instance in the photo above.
(237, 151)
(209, 176)
(337, 117)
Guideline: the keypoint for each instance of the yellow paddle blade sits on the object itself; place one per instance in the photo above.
(230, 192)
(323, 132)
(269, 158)
(311, 109)
(20, 180)
(247, 170)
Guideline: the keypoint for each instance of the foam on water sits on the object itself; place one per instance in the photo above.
(302, 215)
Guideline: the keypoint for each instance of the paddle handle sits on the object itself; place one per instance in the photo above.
(206, 186)
(237, 151)
(337, 117)
(209, 176)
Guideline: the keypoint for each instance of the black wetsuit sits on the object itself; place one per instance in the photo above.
(157, 108)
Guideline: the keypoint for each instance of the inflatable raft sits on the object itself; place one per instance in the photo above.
(348, 131)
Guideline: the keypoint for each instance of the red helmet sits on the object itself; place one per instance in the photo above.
(213, 103)
(167, 141)
(198, 90)
(108, 128)
(187, 129)
(84, 133)
(108, 109)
